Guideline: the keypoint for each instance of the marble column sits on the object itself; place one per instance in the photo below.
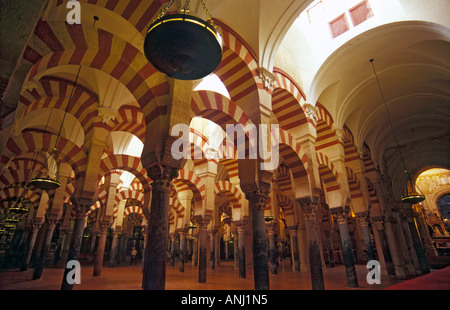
(98, 262)
(39, 268)
(272, 248)
(202, 248)
(113, 253)
(195, 250)
(257, 201)
(294, 248)
(379, 225)
(417, 243)
(172, 249)
(241, 251)
(212, 247)
(77, 238)
(309, 208)
(342, 219)
(35, 225)
(182, 249)
(155, 251)
(368, 245)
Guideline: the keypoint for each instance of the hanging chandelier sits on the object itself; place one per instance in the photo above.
(183, 46)
(42, 179)
(411, 194)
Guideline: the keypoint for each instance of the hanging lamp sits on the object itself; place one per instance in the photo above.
(21, 206)
(183, 46)
(42, 179)
(411, 194)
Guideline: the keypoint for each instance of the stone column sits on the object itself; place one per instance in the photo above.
(417, 243)
(172, 250)
(342, 219)
(202, 247)
(35, 225)
(294, 248)
(212, 246)
(77, 237)
(272, 248)
(98, 262)
(257, 201)
(182, 249)
(195, 250)
(155, 251)
(315, 259)
(368, 245)
(379, 225)
(39, 269)
(113, 253)
(241, 250)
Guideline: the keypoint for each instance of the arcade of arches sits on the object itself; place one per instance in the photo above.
(82, 101)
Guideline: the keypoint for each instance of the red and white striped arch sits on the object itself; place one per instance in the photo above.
(326, 134)
(233, 193)
(327, 173)
(188, 180)
(26, 143)
(98, 49)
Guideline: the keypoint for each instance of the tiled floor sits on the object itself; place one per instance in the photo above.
(224, 277)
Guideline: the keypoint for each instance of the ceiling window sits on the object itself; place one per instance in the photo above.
(360, 13)
(338, 26)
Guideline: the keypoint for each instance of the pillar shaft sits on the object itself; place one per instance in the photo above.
(241, 251)
(31, 241)
(39, 269)
(155, 251)
(272, 249)
(212, 246)
(368, 245)
(315, 259)
(75, 244)
(257, 200)
(98, 263)
(202, 247)
(182, 250)
(294, 249)
(347, 253)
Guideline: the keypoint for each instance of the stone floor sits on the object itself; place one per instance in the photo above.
(224, 277)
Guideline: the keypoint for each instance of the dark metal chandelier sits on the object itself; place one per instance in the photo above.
(183, 46)
(410, 195)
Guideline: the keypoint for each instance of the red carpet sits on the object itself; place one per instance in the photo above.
(436, 280)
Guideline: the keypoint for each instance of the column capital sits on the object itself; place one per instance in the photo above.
(258, 197)
(341, 214)
(161, 175)
(363, 218)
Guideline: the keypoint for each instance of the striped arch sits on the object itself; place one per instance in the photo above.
(125, 162)
(43, 142)
(350, 150)
(137, 13)
(238, 68)
(129, 119)
(233, 194)
(133, 209)
(285, 203)
(13, 193)
(54, 92)
(176, 205)
(373, 198)
(328, 173)
(188, 180)
(287, 99)
(369, 166)
(98, 49)
(293, 154)
(326, 134)
(353, 184)
(284, 178)
(218, 109)
(129, 194)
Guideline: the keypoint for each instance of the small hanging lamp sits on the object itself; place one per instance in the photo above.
(43, 180)
(410, 195)
(183, 46)
(21, 206)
